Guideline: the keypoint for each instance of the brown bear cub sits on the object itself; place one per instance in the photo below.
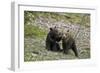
(52, 40)
(68, 43)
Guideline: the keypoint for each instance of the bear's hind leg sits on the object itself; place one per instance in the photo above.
(75, 49)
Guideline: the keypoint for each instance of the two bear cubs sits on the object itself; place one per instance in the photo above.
(54, 37)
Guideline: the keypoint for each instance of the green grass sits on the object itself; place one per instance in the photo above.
(34, 31)
(34, 50)
(74, 18)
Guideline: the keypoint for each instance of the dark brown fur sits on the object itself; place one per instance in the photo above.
(69, 43)
(52, 40)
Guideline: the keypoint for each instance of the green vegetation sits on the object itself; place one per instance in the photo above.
(74, 18)
(36, 52)
(34, 31)
(79, 18)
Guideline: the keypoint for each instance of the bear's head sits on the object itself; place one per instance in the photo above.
(56, 33)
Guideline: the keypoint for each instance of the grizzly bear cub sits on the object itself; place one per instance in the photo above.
(52, 40)
(68, 43)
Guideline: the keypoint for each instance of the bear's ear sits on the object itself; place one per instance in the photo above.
(51, 29)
